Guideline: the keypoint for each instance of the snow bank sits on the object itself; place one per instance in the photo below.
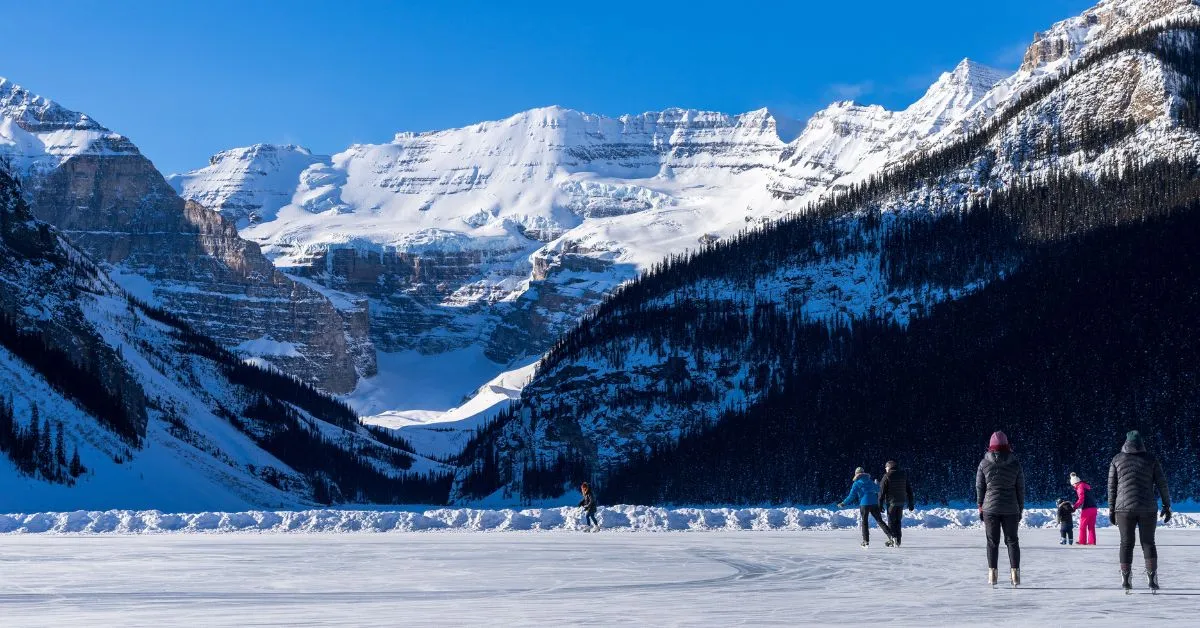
(629, 518)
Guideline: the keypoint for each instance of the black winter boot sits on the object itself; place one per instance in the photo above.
(1152, 574)
(1126, 576)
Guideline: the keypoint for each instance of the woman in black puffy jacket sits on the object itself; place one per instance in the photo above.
(1135, 484)
(1000, 493)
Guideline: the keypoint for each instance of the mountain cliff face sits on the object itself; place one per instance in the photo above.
(102, 193)
(713, 339)
(106, 402)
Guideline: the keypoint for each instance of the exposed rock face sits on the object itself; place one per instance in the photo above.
(497, 234)
(109, 199)
(1106, 21)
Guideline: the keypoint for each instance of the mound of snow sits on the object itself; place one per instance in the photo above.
(628, 518)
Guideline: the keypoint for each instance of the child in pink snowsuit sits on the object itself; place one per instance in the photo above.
(1086, 505)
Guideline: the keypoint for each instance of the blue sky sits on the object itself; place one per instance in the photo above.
(187, 79)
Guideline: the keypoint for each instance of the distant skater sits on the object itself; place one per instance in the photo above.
(863, 495)
(1085, 503)
(1000, 492)
(1066, 521)
(588, 504)
(894, 492)
(1135, 484)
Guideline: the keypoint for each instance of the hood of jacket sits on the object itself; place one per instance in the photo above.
(1000, 456)
(1133, 448)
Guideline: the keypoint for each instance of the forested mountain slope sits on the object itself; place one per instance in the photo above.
(107, 402)
(732, 349)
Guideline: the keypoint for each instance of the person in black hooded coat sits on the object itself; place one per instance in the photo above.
(895, 491)
(1000, 493)
(1135, 484)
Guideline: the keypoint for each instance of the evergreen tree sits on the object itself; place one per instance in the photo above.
(45, 446)
(34, 435)
(60, 450)
(76, 468)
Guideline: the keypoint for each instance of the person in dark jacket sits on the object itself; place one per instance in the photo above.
(1135, 484)
(862, 494)
(894, 492)
(588, 504)
(1065, 516)
(1000, 493)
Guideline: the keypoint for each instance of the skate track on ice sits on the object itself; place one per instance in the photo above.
(564, 577)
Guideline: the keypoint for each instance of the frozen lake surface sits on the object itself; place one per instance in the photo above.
(563, 577)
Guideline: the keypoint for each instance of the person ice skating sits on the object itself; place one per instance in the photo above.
(862, 494)
(588, 504)
(1066, 521)
(1135, 484)
(894, 492)
(1085, 503)
(1000, 493)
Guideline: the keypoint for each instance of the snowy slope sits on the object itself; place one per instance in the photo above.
(160, 417)
(247, 185)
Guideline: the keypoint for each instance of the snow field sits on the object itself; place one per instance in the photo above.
(616, 518)
(565, 578)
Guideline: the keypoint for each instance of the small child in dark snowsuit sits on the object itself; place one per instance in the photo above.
(1066, 521)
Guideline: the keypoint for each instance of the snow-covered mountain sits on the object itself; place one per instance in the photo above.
(96, 187)
(702, 340)
(158, 415)
(481, 245)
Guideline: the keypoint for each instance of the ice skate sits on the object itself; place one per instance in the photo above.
(1014, 576)
(992, 577)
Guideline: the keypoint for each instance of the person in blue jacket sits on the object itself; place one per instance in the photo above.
(864, 493)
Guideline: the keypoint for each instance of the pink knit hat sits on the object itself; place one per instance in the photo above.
(999, 442)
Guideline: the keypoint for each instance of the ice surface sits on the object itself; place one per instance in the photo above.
(555, 578)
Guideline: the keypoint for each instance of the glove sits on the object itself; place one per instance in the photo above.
(1112, 517)
(1166, 514)
(841, 505)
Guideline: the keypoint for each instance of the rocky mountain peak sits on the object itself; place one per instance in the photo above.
(256, 152)
(37, 114)
(1110, 19)
(37, 134)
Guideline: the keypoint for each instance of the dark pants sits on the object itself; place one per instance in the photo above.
(993, 525)
(864, 523)
(1067, 535)
(1145, 523)
(591, 518)
(895, 521)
